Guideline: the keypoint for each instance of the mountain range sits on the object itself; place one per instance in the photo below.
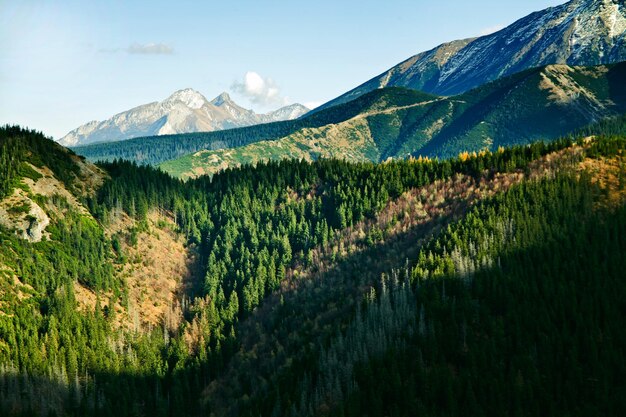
(183, 112)
(538, 104)
(580, 32)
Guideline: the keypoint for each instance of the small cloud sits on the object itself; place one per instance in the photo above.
(141, 49)
(491, 29)
(312, 104)
(150, 49)
(260, 90)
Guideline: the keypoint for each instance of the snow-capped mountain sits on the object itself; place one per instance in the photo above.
(290, 112)
(184, 111)
(580, 32)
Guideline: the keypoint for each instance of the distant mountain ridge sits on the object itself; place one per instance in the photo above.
(580, 32)
(185, 111)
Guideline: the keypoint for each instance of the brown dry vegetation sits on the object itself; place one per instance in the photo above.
(610, 176)
(90, 178)
(421, 206)
(158, 271)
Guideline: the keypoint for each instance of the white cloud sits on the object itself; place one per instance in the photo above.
(312, 104)
(260, 90)
(150, 49)
(491, 29)
(141, 49)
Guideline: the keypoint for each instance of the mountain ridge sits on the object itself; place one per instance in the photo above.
(580, 32)
(184, 111)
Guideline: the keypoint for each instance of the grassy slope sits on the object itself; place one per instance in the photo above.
(350, 141)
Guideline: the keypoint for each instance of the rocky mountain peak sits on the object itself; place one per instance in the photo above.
(292, 111)
(184, 111)
(188, 96)
(222, 99)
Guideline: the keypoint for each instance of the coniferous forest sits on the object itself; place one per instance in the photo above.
(487, 284)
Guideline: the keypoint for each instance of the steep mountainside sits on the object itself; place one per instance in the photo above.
(580, 32)
(48, 189)
(182, 112)
(43, 180)
(537, 104)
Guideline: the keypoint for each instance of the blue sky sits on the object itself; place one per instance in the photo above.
(64, 63)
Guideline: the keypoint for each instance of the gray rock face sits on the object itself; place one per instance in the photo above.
(30, 225)
(185, 111)
(580, 32)
(34, 232)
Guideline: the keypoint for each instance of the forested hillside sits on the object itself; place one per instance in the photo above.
(287, 313)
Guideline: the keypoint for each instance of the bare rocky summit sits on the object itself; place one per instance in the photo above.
(185, 111)
(579, 33)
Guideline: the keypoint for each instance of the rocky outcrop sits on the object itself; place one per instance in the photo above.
(25, 217)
